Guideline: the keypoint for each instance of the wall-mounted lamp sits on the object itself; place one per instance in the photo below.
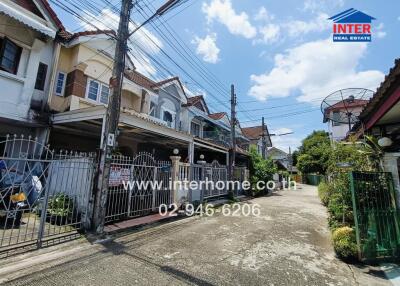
(201, 157)
(175, 151)
(385, 142)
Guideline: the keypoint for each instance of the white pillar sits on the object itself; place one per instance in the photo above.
(30, 77)
(174, 178)
(191, 152)
(390, 164)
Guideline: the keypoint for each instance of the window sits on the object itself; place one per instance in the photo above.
(336, 118)
(41, 76)
(60, 83)
(10, 54)
(152, 109)
(93, 90)
(168, 118)
(97, 91)
(195, 129)
(105, 91)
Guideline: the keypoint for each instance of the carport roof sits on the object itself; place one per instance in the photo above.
(127, 118)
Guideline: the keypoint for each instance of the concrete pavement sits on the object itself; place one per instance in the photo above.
(288, 244)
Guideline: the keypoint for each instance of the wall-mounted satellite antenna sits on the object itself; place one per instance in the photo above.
(345, 105)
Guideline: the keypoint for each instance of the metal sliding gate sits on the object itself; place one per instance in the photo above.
(211, 178)
(375, 214)
(43, 195)
(137, 186)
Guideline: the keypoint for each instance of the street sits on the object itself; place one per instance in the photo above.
(288, 244)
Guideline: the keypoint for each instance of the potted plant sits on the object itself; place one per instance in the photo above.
(60, 209)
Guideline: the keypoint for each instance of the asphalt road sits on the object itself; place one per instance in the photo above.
(288, 244)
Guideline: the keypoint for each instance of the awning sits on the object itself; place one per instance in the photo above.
(198, 113)
(20, 16)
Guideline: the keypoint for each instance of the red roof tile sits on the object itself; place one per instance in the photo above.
(254, 132)
(160, 83)
(140, 79)
(218, 115)
(53, 15)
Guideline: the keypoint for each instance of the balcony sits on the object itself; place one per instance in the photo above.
(217, 137)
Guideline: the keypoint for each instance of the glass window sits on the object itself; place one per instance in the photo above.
(60, 83)
(152, 109)
(168, 118)
(10, 55)
(93, 90)
(41, 76)
(336, 118)
(195, 129)
(105, 91)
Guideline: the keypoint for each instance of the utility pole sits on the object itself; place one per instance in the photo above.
(264, 143)
(233, 133)
(112, 117)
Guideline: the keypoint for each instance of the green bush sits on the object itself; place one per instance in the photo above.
(324, 193)
(61, 205)
(344, 243)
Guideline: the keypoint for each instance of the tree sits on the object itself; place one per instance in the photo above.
(295, 156)
(260, 169)
(314, 153)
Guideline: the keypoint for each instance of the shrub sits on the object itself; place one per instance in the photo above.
(344, 243)
(324, 193)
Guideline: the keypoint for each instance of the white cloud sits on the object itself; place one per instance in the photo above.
(379, 31)
(315, 69)
(107, 20)
(264, 15)
(222, 11)
(321, 5)
(286, 141)
(298, 27)
(207, 48)
(270, 34)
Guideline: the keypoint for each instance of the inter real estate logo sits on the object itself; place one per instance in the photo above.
(352, 26)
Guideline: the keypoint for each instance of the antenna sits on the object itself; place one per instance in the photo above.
(345, 105)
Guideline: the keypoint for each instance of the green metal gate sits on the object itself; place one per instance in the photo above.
(375, 215)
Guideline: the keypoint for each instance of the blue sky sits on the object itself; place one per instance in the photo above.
(279, 54)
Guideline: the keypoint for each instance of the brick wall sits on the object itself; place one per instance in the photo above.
(76, 84)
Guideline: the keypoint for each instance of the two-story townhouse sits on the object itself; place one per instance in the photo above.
(150, 111)
(211, 131)
(28, 49)
(336, 117)
(156, 117)
(256, 135)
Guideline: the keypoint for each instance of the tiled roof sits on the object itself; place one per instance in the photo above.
(140, 79)
(196, 101)
(69, 37)
(160, 83)
(218, 115)
(383, 92)
(254, 132)
(346, 104)
(53, 15)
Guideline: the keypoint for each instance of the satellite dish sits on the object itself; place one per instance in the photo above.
(345, 105)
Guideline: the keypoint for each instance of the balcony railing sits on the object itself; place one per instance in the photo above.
(216, 137)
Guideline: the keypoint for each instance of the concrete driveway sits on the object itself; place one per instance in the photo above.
(288, 244)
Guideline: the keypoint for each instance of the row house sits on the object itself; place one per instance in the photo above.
(256, 135)
(381, 118)
(156, 116)
(28, 50)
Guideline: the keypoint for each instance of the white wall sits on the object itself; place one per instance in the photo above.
(17, 91)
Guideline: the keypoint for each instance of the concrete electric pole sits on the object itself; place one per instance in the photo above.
(233, 133)
(264, 143)
(111, 120)
(112, 117)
